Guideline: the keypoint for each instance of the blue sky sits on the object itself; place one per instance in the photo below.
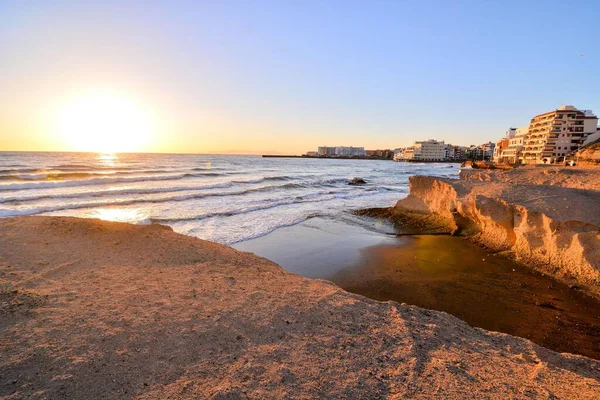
(288, 76)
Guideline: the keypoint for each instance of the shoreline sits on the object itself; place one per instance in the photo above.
(365, 158)
(439, 272)
(101, 309)
(546, 218)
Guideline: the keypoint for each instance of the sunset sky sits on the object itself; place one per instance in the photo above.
(287, 76)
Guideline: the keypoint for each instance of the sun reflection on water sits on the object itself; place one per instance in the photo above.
(107, 159)
(134, 216)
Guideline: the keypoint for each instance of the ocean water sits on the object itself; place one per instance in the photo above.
(222, 198)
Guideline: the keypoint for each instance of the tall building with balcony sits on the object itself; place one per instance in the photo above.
(430, 150)
(427, 150)
(482, 152)
(405, 154)
(556, 134)
(499, 149)
(513, 153)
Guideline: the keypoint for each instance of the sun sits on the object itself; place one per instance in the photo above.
(104, 122)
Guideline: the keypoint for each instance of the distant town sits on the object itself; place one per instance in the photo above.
(551, 137)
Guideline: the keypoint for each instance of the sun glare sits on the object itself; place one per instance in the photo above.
(105, 122)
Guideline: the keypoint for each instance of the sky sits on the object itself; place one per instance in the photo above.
(287, 76)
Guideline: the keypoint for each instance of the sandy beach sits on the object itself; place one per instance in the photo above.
(94, 309)
(299, 200)
(439, 272)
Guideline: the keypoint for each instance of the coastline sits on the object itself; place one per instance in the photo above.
(438, 272)
(364, 158)
(544, 217)
(93, 308)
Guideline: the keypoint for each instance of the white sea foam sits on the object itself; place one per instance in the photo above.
(223, 198)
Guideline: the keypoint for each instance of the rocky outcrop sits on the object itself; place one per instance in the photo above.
(357, 181)
(551, 228)
(570, 177)
(485, 165)
(589, 153)
(96, 309)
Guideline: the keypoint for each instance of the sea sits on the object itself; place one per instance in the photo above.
(222, 198)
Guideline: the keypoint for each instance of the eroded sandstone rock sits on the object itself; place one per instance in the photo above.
(554, 229)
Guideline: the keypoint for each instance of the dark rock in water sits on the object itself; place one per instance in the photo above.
(357, 181)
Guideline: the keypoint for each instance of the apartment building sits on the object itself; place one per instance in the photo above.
(385, 154)
(430, 150)
(482, 152)
(512, 154)
(592, 137)
(449, 152)
(556, 134)
(427, 150)
(340, 151)
(460, 153)
(405, 154)
(499, 149)
(502, 145)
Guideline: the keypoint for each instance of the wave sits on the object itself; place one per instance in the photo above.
(36, 175)
(258, 180)
(103, 179)
(295, 221)
(87, 182)
(310, 198)
(125, 192)
(206, 168)
(55, 176)
(333, 181)
(23, 170)
(269, 178)
(284, 177)
(90, 166)
(106, 193)
(53, 170)
(121, 167)
(205, 174)
(127, 202)
(229, 213)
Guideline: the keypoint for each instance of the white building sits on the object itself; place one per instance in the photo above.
(404, 154)
(592, 137)
(428, 150)
(512, 153)
(510, 133)
(431, 150)
(341, 151)
(449, 152)
(557, 134)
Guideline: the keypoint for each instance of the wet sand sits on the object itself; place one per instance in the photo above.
(441, 273)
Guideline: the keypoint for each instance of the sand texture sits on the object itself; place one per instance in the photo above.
(590, 154)
(570, 177)
(92, 309)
